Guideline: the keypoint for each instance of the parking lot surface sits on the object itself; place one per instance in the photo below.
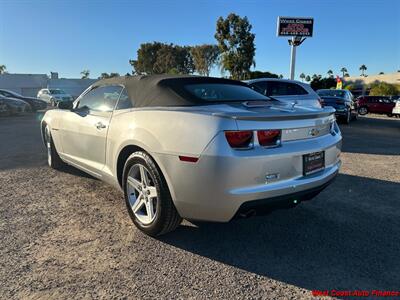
(68, 235)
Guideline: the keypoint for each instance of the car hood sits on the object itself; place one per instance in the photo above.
(61, 96)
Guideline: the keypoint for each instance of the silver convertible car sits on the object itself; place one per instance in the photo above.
(199, 148)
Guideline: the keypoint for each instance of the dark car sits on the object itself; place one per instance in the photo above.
(343, 101)
(13, 106)
(35, 104)
(375, 104)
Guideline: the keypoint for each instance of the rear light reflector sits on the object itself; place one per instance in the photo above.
(269, 138)
(188, 158)
(240, 139)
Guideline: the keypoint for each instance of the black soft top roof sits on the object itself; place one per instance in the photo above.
(163, 90)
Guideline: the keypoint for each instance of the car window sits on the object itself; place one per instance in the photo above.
(6, 94)
(214, 92)
(101, 98)
(124, 101)
(277, 88)
(260, 87)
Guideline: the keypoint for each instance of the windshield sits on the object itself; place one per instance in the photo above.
(223, 92)
(332, 93)
(56, 92)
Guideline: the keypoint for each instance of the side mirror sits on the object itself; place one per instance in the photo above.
(65, 105)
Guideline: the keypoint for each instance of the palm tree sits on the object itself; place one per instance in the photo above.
(363, 68)
(85, 74)
(343, 70)
(330, 73)
(308, 79)
(302, 76)
(346, 75)
(3, 69)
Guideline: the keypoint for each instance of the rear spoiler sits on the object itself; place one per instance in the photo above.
(279, 115)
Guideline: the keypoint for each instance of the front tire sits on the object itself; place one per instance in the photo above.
(53, 159)
(147, 196)
(347, 119)
(363, 110)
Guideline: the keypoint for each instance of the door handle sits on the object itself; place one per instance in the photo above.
(100, 125)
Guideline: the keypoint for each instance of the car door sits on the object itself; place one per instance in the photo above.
(84, 130)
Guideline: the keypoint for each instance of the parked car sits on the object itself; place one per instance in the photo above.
(375, 104)
(191, 147)
(34, 103)
(396, 108)
(54, 96)
(342, 101)
(14, 106)
(3, 107)
(291, 91)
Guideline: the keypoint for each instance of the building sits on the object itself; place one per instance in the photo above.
(30, 84)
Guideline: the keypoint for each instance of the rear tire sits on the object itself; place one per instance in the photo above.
(53, 159)
(147, 196)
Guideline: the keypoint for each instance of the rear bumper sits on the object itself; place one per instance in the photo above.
(263, 206)
(220, 184)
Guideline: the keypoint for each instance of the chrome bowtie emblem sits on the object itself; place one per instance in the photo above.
(313, 132)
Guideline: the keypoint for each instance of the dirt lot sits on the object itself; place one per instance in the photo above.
(67, 235)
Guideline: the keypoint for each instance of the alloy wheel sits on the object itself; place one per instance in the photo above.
(142, 194)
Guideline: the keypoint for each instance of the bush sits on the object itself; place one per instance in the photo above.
(383, 89)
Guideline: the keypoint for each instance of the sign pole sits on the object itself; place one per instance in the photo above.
(292, 58)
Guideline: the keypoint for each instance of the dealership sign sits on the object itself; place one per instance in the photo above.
(291, 26)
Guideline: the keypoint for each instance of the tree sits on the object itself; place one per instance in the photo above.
(330, 73)
(302, 76)
(346, 75)
(159, 58)
(315, 76)
(3, 69)
(85, 74)
(381, 73)
(204, 58)
(323, 83)
(383, 89)
(363, 68)
(260, 74)
(146, 58)
(344, 71)
(106, 75)
(308, 79)
(280, 76)
(236, 45)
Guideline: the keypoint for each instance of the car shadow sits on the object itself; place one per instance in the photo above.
(372, 136)
(348, 237)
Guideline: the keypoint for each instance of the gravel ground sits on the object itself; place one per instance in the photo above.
(67, 235)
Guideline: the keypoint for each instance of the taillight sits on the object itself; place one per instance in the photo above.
(269, 138)
(240, 139)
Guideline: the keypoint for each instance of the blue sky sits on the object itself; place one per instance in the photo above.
(69, 36)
